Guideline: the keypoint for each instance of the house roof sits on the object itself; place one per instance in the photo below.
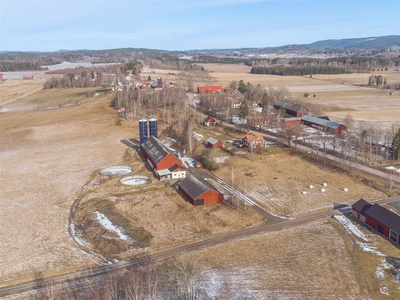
(210, 119)
(195, 186)
(322, 122)
(289, 105)
(252, 137)
(385, 217)
(155, 149)
(176, 168)
(212, 141)
(210, 88)
(361, 206)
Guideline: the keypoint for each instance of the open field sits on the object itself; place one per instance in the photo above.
(278, 179)
(339, 95)
(319, 260)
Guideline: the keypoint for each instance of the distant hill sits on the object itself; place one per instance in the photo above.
(360, 43)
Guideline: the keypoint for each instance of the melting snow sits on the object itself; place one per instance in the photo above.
(198, 136)
(107, 224)
(351, 228)
(188, 162)
(221, 159)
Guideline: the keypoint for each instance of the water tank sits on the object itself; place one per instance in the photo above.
(153, 127)
(143, 132)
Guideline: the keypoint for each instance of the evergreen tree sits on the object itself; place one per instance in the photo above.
(395, 150)
(243, 110)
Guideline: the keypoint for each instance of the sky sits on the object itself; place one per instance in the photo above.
(33, 25)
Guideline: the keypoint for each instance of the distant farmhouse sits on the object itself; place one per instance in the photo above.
(199, 192)
(254, 141)
(292, 109)
(379, 218)
(323, 124)
(209, 89)
(210, 121)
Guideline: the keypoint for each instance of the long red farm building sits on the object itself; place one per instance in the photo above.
(199, 192)
(379, 218)
(164, 163)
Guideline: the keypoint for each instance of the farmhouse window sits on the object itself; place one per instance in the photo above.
(393, 235)
(380, 229)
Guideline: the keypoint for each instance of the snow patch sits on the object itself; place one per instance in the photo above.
(107, 224)
(221, 159)
(351, 228)
(188, 162)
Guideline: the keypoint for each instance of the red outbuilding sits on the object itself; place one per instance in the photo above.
(213, 143)
(379, 218)
(209, 121)
(209, 89)
(164, 164)
(199, 192)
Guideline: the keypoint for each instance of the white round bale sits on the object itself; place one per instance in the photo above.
(311, 186)
(345, 189)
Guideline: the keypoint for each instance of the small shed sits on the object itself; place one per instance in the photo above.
(210, 121)
(213, 143)
(199, 192)
(290, 121)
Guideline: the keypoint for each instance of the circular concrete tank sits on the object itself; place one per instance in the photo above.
(116, 171)
(135, 180)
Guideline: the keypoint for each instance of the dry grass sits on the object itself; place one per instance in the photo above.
(319, 260)
(280, 178)
(146, 206)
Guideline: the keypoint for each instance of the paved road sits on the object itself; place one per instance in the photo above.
(40, 283)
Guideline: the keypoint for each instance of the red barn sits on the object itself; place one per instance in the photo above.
(164, 164)
(381, 219)
(214, 143)
(291, 109)
(199, 192)
(209, 89)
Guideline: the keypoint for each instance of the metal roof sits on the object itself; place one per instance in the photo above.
(155, 149)
(322, 122)
(384, 216)
(195, 186)
(288, 105)
(212, 141)
(361, 206)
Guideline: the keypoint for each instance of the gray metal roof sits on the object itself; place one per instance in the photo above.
(384, 216)
(211, 140)
(155, 149)
(322, 122)
(195, 186)
(288, 105)
(361, 206)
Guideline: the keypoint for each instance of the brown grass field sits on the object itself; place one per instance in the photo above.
(54, 142)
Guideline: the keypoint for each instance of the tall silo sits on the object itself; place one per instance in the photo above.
(153, 127)
(143, 132)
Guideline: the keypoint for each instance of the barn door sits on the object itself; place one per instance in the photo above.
(199, 202)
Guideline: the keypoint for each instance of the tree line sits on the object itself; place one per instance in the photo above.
(297, 71)
(7, 66)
